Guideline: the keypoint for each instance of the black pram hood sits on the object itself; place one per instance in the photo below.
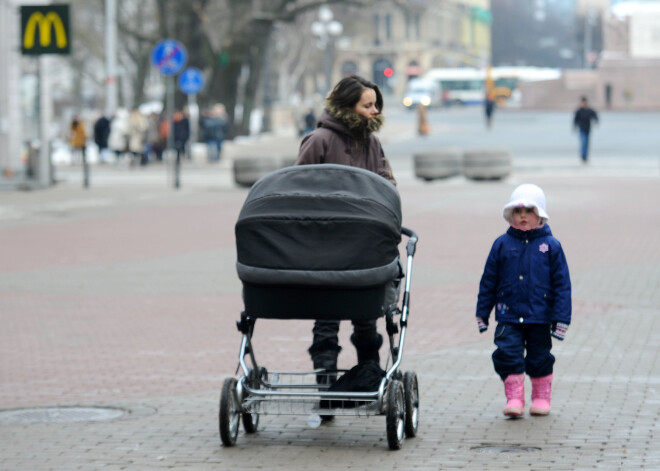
(322, 224)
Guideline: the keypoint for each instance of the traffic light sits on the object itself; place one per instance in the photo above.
(388, 72)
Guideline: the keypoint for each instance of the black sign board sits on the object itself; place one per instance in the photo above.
(45, 29)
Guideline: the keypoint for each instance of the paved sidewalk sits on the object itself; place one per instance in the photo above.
(125, 297)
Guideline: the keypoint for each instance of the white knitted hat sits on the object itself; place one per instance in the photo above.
(526, 195)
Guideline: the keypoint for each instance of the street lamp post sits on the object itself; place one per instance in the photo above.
(326, 29)
(110, 57)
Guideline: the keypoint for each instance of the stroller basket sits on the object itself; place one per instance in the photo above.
(291, 393)
(321, 242)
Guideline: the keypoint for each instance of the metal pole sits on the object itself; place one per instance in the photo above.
(193, 111)
(110, 57)
(327, 65)
(267, 120)
(169, 90)
(85, 165)
(45, 115)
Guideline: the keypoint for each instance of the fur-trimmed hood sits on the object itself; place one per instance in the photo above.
(334, 142)
(357, 125)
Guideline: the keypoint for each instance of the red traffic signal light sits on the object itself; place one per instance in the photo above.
(388, 72)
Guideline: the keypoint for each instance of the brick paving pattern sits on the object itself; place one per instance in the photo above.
(126, 297)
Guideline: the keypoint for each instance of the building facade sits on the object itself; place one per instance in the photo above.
(539, 33)
(396, 40)
(624, 73)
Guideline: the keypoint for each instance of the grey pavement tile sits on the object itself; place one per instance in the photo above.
(161, 350)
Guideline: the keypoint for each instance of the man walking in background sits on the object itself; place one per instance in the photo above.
(582, 121)
(101, 135)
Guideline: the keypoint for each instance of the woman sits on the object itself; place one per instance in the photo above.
(78, 138)
(345, 135)
(344, 132)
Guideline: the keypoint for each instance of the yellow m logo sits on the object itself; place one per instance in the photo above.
(46, 24)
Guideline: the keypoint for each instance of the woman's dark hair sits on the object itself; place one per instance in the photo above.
(348, 91)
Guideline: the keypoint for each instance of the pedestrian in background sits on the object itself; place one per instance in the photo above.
(101, 135)
(582, 119)
(181, 133)
(489, 107)
(526, 280)
(78, 139)
(137, 137)
(309, 122)
(214, 128)
(118, 139)
(155, 143)
(345, 135)
(422, 122)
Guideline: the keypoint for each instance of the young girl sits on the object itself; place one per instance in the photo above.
(526, 279)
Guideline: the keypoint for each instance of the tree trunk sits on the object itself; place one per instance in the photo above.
(261, 33)
(142, 61)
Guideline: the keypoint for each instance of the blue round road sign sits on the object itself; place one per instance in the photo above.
(191, 81)
(169, 56)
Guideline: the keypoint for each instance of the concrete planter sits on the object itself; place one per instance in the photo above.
(247, 170)
(437, 164)
(256, 156)
(487, 164)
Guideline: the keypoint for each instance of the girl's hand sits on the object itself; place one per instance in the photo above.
(482, 323)
(558, 330)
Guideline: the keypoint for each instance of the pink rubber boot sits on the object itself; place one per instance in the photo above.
(514, 388)
(541, 392)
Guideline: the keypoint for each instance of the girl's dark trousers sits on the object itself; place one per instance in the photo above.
(523, 348)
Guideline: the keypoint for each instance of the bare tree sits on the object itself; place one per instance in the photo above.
(237, 35)
(294, 55)
(227, 39)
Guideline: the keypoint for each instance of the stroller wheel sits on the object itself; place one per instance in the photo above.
(395, 419)
(411, 393)
(251, 420)
(229, 413)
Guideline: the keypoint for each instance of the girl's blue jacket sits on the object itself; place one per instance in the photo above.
(526, 279)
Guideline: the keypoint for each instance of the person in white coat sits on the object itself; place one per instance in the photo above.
(137, 134)
(118, 139)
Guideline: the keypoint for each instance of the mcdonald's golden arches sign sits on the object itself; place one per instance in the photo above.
(45, 29)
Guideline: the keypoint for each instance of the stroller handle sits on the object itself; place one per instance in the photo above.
(412, 240)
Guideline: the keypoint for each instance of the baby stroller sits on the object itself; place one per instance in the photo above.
(320, 242)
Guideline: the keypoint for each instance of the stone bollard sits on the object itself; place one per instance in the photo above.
(247, 170)
(199, 152)
(431, 165)
(257, 156)
(487, 164)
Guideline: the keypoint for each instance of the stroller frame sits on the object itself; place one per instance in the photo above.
(259, 391)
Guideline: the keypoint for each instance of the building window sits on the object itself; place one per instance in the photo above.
(408, 22)
(376, 29)
(388, 26)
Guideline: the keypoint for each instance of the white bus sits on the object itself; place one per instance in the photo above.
(467, 85)
(460, 86)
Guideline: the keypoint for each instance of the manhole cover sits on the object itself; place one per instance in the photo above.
(497, 449)
(59, 415)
